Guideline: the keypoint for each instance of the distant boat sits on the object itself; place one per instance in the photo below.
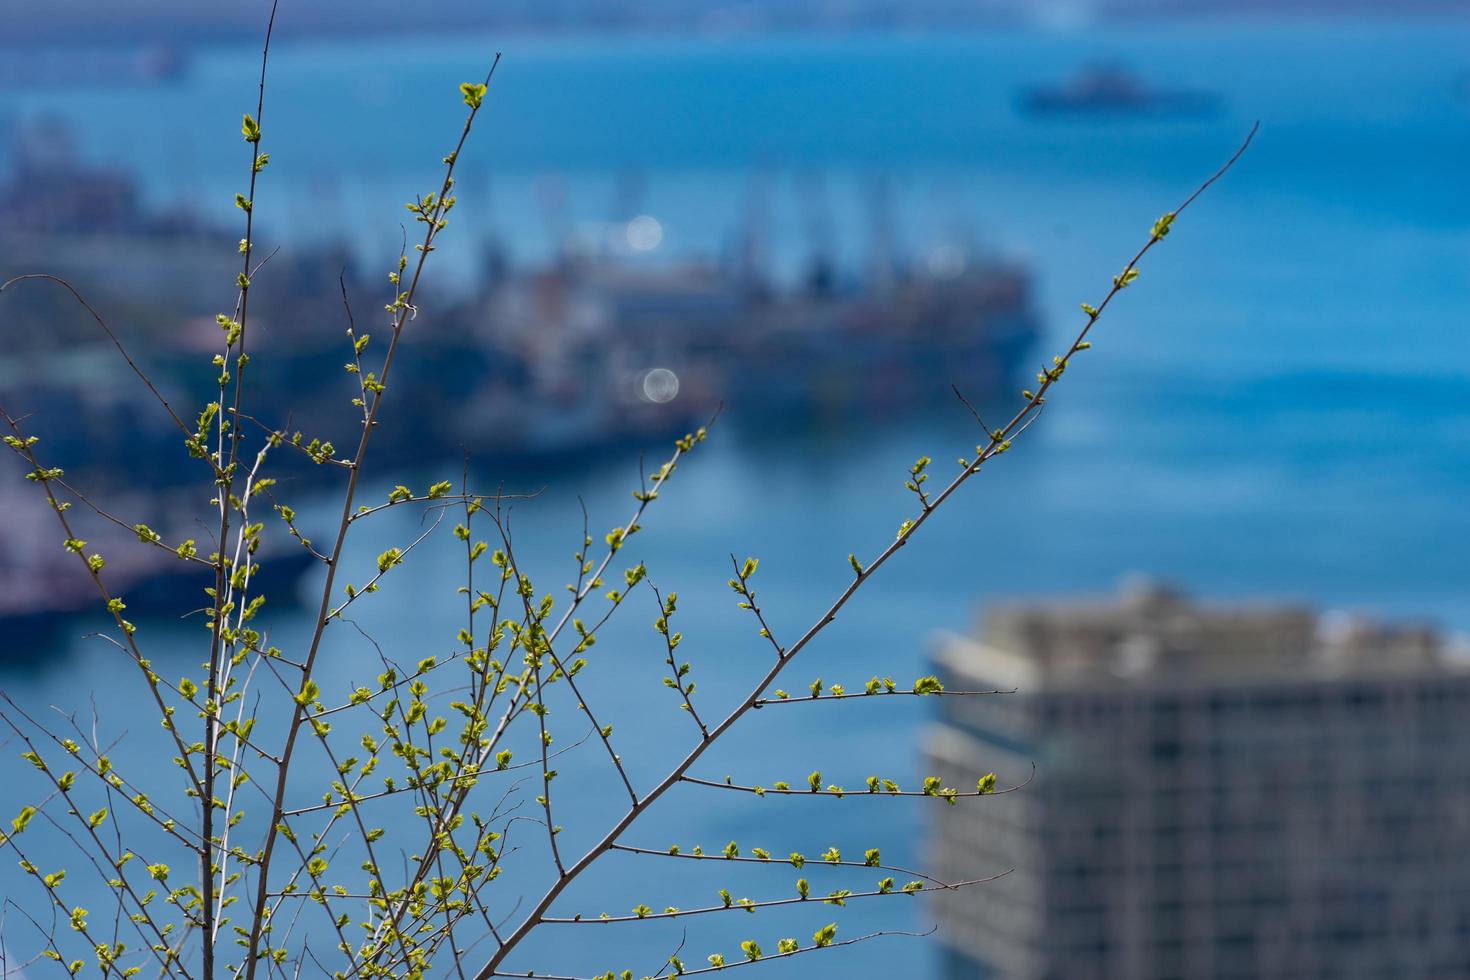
(1113, 91)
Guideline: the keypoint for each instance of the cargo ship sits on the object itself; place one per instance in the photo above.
(43, 585)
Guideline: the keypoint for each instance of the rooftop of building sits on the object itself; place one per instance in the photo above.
(1152, 633)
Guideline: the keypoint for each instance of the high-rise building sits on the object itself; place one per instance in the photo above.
(1252, 792)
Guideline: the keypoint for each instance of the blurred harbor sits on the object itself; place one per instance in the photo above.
(1278, 409)
(603, 345)
(592, 352)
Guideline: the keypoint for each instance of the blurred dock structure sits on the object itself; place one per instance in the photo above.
(598, 347)
(1250, 791)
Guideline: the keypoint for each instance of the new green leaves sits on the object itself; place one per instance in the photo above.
(473, 92)
(22, 820)
(1125, 278)
(928, 685)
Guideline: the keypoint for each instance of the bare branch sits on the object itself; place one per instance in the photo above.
(999, 443)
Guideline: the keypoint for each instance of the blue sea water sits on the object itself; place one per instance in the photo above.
(1279, 407)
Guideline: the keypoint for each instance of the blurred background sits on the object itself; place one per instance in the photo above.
(822, 216)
